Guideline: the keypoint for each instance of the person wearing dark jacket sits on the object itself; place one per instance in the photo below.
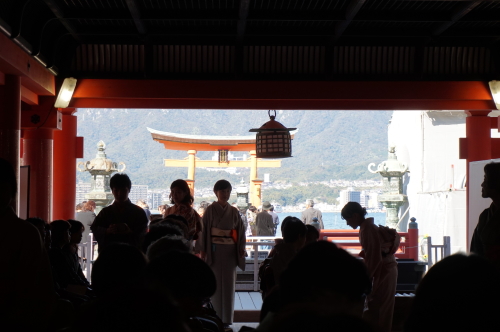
(264, 221)
(122, 221)
(310, 212)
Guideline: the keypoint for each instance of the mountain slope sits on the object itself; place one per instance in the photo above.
(328, 144)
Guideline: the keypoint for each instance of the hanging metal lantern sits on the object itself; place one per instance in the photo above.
(273, 140)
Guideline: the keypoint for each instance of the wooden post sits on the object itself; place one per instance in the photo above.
(10, 125)
(38, 153)
(256, 195)
(192, 164)
(413, 240)
(477, 147)
(191, 186)
(67, 148)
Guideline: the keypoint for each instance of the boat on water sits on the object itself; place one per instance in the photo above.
(277, 208)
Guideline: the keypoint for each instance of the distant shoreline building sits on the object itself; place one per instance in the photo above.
(82, 188)
(349, 195)
(137, 192)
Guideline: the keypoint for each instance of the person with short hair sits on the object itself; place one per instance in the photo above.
(264, 221)
(122, 221)
(486, 237)
(159, 230)
(78, 207)
(142, 203)
(222, 246)
(310, 212)
(86, 216)
(381, 265)
(167, 244)
(276, 219)
(294, 237)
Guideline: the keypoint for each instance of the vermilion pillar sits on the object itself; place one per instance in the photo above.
(10, 123)
(477, 143)
(38, 152)
(67, 148)
(478, 133)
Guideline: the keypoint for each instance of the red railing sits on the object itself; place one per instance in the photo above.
(349, 240)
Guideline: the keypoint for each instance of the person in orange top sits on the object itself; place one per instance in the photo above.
(180, 196)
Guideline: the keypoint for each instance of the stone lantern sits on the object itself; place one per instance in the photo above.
(392, 172)
(101, 169)
(242, 195)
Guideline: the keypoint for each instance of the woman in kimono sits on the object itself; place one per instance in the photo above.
(180, 196)
(380, 263)
(223, 248)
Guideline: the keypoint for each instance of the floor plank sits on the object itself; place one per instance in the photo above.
(237, 301)
(251, 316)
(257, 299)
(237, 326)
(246, 301)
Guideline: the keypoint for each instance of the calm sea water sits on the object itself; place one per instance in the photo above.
(332, 220)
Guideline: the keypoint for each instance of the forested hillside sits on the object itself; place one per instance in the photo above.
(328, 144)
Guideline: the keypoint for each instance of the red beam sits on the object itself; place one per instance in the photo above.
(34, 76)
(281, 104)
(93, 93)
(28, 96)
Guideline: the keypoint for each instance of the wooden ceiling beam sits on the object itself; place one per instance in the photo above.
(328, 105)
(242, 18)
(351, 11)
(310, 95)
(460, 12)
(58, 12)
(136, 16)
(28, 96)
(15, 61)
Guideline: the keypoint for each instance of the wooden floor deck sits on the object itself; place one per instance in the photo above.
(247, 301)
(247, 306)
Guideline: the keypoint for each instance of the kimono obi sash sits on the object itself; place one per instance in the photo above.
(221, 236)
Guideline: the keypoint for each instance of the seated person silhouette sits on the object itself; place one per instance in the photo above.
(344, 293)
(459, 293)
(191, 283)
(118, 266)
(294, 236)
(71, 249)
(26, 287)
(64, 272)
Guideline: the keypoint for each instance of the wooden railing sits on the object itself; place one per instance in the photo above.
(436, 252)
(349, 240)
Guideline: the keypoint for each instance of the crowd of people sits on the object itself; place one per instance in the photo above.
(177, 272)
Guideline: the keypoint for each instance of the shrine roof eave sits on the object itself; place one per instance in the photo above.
(184, 142)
